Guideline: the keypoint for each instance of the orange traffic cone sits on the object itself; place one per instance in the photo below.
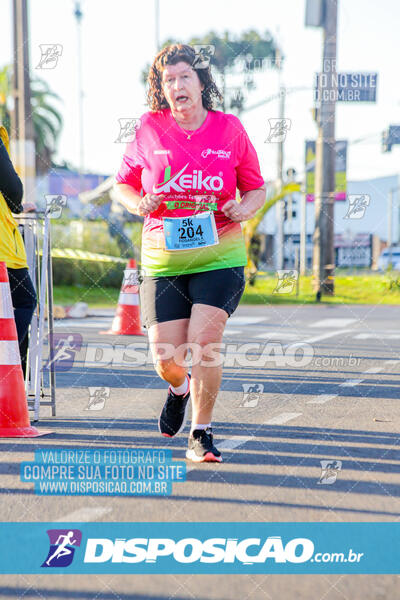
(127, 317)
(14, 417)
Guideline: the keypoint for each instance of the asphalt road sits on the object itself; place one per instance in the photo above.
(337, 403)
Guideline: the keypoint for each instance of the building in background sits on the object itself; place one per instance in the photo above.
(67, 182)
(359, 236)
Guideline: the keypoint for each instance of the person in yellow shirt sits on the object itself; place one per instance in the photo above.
(12, 249)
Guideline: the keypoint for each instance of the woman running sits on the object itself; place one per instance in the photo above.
(181, 173)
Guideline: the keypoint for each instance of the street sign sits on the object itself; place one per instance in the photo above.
(346, 87)
(340, 170)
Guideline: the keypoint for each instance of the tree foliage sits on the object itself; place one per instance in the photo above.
(47, 121)
(230, 52)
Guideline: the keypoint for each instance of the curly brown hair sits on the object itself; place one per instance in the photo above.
(171, 55)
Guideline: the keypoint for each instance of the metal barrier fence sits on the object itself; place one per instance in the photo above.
(35, 228)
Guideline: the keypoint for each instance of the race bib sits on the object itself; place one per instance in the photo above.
(187, 233)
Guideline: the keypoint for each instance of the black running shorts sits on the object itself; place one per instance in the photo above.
(168, 298)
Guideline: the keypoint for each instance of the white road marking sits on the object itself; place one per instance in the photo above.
(84, 515)
(277, 335)
(84, 323)
(234, 442)
(373, 370)
(392, 361)
(324, 336)
(377, 336)
(322, 398)
(334, 322)
(282, 418)
(247, 320)
(351, 383)
(238, 440)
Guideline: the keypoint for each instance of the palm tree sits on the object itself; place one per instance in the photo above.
(47, 121)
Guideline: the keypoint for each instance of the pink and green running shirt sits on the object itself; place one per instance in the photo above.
(196, 171)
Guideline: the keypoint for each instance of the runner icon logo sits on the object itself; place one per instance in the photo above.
(251, 394)
(54, 205)
(50, 54)
(127, 130)
(203, 56)
(357, 206)
(287, 279)
(62, 547)
(278, 129)
(97, 397)
(329, 471)
(63, 349)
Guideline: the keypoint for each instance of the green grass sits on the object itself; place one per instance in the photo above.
(96, 297)
(354, 289)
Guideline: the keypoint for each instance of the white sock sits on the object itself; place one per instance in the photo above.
(181, 389)
(199, 426)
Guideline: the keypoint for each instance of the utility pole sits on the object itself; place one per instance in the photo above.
(157, 24)
(323, 255)
(22, 133)
(78, 15)
(390, 226)
(303, 231)
(280, 205)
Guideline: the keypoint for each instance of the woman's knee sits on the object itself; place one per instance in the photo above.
(167, 368)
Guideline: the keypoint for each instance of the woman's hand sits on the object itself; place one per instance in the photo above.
(251, 202)
(235, 211)
(149, 203)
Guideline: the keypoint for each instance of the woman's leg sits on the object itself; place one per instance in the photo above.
(206, 328)
(166, 342)
(24, 301)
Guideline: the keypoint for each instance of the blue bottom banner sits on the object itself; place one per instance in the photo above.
(208, 548)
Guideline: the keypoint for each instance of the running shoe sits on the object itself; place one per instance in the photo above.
(173, 416)
(201, 447)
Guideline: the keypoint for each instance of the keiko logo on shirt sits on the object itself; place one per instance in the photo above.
(189, 181)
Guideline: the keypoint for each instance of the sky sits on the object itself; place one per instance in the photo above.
(118, 39)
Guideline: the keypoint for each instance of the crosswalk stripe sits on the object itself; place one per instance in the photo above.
(333, 322)
(322, 398)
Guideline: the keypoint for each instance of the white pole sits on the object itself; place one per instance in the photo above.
(157, 24)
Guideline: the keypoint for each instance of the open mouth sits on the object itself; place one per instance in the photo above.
(182, 99)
